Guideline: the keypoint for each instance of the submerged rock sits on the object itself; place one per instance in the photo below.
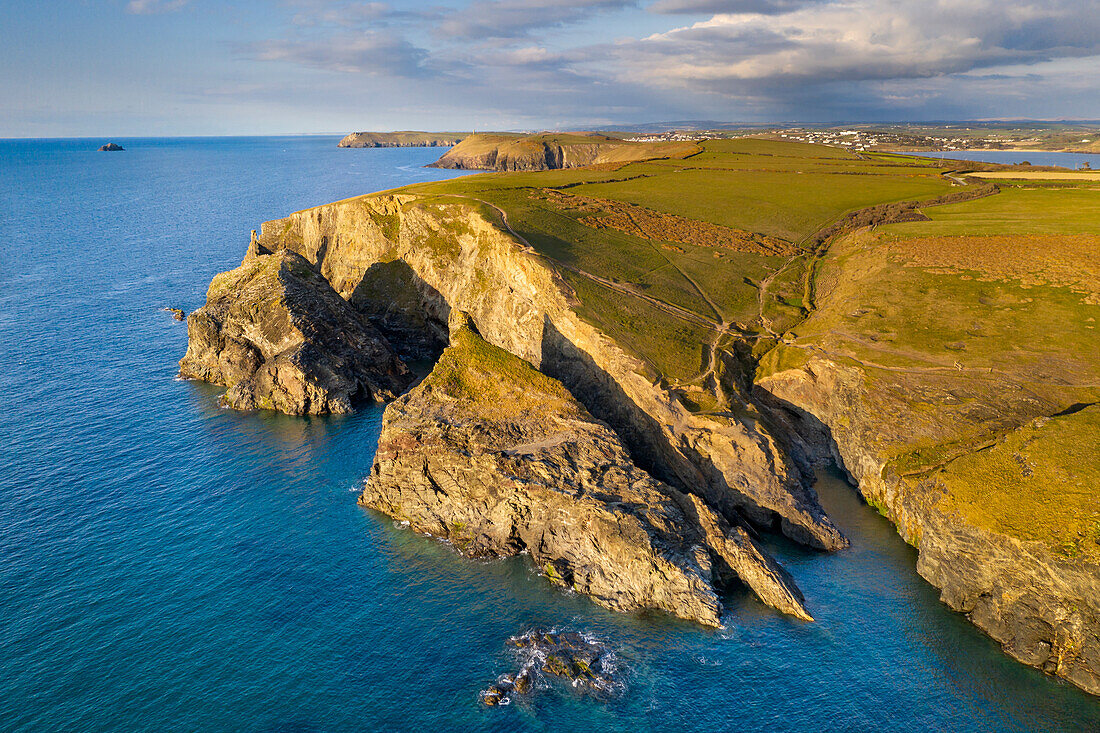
(498, 458)
(583, 662)
(279, 337)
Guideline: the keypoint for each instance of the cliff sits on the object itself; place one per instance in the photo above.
(1041, 604)
(957, 387)
(405, 139)
(501, 152)
(500, 459)
(451, 256)
(275, 333)
(946, 361)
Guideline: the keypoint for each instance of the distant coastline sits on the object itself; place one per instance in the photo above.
(402, 139)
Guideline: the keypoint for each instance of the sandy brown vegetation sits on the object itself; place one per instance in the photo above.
(1071, 261)
(670, 228)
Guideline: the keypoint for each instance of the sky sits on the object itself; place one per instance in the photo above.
(198, 67)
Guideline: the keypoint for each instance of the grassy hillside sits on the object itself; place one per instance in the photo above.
(701, 233)
(971, 321)
(972, 328)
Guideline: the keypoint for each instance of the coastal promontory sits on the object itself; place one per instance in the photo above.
(404, 139)
(552, 151)
(675, 344)
(500, 459)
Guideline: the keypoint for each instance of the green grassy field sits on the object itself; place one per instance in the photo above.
(1018, 210)
(767, 187)
(966, 327)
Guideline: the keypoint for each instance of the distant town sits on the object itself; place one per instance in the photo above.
(968, 136)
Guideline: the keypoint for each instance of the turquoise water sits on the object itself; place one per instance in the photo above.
(1013, 157)
(169, 565)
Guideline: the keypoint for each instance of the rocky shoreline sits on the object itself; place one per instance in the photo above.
(556, 478)
(1043, 609)
(571, 450)
(499, 459)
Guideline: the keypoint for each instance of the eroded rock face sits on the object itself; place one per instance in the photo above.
(498, 459)
(1043, 608)
(398, 140)
(519, 303)
(279, 337)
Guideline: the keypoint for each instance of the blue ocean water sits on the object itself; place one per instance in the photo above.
(1013, 157)
(169, 565)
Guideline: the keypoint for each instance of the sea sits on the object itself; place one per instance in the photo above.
(1073, 161)
(169, 565)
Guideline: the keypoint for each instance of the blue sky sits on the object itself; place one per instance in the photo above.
(195, 67)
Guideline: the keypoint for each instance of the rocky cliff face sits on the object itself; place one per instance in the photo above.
(279, 337)
(549, 152)
(1042, 606)
(399, 140)
(499, 459)
(517, 302)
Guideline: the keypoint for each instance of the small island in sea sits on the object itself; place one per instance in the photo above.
(111, 148)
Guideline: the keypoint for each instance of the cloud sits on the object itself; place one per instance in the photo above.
(495, 19)
(755, 59)
(148, 7)
(361, 15)
(856, 40)
(717, 7)
(370, 52)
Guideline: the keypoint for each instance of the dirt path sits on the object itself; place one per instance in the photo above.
(699, 291)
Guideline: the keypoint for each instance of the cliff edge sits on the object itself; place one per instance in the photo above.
(275, 333)
(403, 139)
(499, 459)
(503, 152)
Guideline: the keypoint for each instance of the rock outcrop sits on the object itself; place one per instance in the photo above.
(279, 337)
(461, 260)
(1042, 606)
(499, 152)
(110, 148)
(500, 459)
(583, 662)
(406, 139)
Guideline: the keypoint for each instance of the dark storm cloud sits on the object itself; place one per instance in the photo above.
(869, 40)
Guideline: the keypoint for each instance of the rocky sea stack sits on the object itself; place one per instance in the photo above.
(111, 148)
